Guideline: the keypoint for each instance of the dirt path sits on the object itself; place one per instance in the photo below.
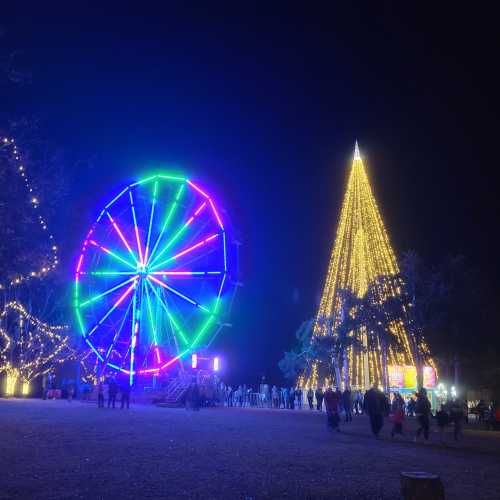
(53, 449)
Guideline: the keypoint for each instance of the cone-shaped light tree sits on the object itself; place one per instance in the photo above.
(361, 256)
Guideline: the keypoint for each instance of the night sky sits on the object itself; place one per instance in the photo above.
(263, 106)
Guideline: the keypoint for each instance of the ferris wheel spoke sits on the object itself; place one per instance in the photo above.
(134, 333)
(112, 254)
(180, 230)
(187, 250)
(153, 204)
(112, 308)
(152, 323)
(169, 216)
(202, 331)
(136, 228)
(103, 294)
(117, 334)
(109, 273)
(184, 274)
(168, 313)
(120, 234)
(179, 294)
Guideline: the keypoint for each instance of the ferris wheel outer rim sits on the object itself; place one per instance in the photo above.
(211, 317)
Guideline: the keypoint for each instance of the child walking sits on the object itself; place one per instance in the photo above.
(398, 415)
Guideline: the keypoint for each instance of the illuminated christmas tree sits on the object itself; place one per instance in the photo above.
(361, 256)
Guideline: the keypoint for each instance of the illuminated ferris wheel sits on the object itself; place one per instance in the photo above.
(151, 279)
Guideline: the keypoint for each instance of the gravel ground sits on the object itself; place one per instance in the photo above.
(53, 449)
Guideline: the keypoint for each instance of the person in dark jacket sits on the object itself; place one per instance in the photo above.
(332, 406)
(291, 398)
(298, 396)
(423, 413)
(310, 397)
(375, 405)
(319, 399)
(457, 417)
(125, 390)
(100, 395)
(398, 414)
(112, 391)
(347, 404)
(442, 419)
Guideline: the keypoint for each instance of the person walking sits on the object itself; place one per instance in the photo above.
(375, 404)
(125, 391)
(286, 401)
(457, 417)
(112, 391)
(347, 404)
(332, 406)
(423, 412)
(410, 407)
(358, 402)
(319, 399)
(275, 396)
(398, 415)
(100, 394)
(443, 420)
(298, 395)
(291, 398)
(310, 397)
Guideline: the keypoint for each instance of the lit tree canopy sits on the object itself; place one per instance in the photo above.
(29, 347)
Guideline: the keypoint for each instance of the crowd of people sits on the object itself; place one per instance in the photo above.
(340, 406)
(109, 389)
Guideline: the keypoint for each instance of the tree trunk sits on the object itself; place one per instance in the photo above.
(336, 368)
(385, 378)
(346, 368)
(421, 486)
(420, 369)
(417, 358)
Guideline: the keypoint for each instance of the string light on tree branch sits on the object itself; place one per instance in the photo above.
(51, 260)
(29, 347)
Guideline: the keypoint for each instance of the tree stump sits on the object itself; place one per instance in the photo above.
(421, 486)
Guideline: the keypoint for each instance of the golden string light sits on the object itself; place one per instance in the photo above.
(38, 347)
(49, 262)
(361, 253)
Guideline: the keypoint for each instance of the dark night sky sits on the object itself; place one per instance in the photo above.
(263, 105)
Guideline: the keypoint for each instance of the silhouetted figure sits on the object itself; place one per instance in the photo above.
(443, 420)
(310, 397)
(358, 402)
(298, 395)
(112, 392)
(375, 404)
(291, 398)
(319, 399)
(332, 406)
(398, 414)
(347, 404)
(457, 417)
(125, 390)
(100, 395)
(423, 412)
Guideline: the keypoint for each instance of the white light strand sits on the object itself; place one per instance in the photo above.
(34, 201)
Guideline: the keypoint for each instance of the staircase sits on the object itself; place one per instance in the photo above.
(175, 391)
